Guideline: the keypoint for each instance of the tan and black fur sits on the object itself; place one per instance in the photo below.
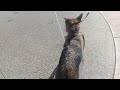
(71, 56)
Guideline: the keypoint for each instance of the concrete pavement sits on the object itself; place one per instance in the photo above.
(31, 44)
(113, 18)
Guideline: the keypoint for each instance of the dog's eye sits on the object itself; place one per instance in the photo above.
(71, 25)
(76, 23)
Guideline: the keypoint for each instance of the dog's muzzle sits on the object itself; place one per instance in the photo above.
(73, 27)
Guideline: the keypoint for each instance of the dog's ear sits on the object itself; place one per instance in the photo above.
(65, 18)
(79, 17)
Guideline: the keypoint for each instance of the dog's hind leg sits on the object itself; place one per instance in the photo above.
(53, 73)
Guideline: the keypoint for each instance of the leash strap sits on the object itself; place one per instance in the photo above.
(85, 17)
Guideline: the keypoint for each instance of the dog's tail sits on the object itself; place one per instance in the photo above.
(85, 17)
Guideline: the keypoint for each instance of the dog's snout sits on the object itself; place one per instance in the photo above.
(72, 26)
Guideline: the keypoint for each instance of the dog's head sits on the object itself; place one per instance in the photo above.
(73, 25)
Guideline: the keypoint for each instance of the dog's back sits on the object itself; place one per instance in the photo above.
(71, 57)
(68, 67)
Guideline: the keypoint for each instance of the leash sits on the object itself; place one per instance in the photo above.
(85, 17)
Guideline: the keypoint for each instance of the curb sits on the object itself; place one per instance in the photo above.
(111, 29)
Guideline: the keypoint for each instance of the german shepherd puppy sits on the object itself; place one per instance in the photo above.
(68, 67)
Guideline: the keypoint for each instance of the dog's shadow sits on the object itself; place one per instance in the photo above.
(53, 75)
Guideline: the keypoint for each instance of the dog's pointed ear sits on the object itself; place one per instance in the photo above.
(80, 17)
(65, 18)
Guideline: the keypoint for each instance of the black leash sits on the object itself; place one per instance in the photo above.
(85, 17)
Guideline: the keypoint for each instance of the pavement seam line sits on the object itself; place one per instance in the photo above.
(116, 37)
(111, 29)
(60, 31)
(59, 24)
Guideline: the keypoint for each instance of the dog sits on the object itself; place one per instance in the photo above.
(71, 56)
